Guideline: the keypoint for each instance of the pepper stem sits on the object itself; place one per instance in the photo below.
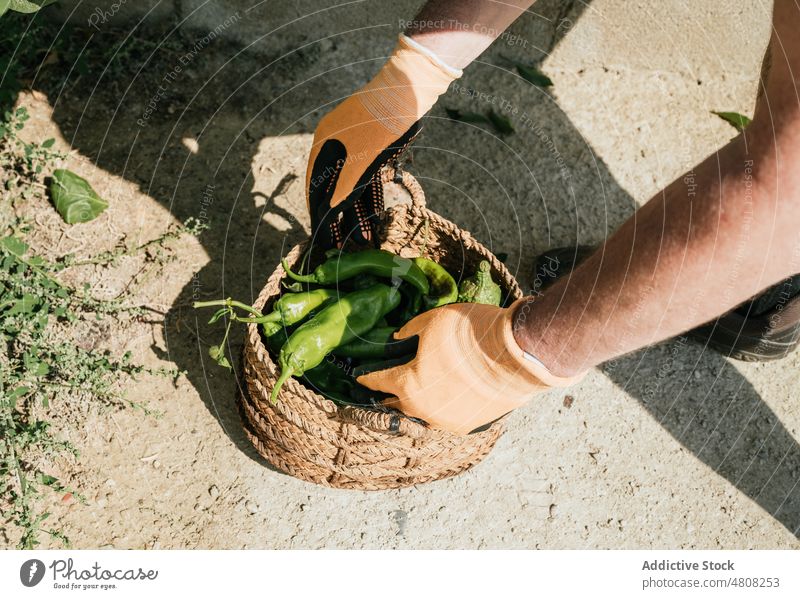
(285, 374)
(229, 303)
(270, 328)
(267, 318)
(295, 276)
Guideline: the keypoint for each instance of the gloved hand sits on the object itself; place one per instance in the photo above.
(362, 134)
(468, 370)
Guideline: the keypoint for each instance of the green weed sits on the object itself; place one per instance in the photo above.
(43, 366)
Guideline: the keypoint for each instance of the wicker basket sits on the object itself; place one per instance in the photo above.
(310, 437)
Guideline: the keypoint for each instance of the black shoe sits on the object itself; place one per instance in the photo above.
(764, 328)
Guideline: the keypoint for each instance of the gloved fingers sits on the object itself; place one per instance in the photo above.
(385, 379)
(356, 216)
(360, 221)
(450, 316)
(370, 367)
(326, 169)
(362, 166)
(415, 326)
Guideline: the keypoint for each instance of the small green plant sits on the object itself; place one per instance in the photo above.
(23, 163)
(43, 366)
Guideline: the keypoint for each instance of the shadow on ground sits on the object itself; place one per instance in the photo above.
(229, 100)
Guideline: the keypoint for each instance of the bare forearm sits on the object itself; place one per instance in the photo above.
(458, 31)
(712, 239)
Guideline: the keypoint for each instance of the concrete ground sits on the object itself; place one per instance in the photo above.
(670, 447)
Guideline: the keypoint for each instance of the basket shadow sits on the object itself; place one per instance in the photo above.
(244, 243)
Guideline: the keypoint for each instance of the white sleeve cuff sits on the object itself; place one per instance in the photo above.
(453, 72)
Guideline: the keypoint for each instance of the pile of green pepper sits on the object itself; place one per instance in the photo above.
(344, 322)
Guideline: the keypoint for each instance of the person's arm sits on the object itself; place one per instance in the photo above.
(376, 123)
(713, 238)
(458, 31)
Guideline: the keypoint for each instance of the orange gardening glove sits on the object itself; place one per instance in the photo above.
(468, 371)
(364, 133)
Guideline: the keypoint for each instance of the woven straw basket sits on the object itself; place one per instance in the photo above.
(310, 437)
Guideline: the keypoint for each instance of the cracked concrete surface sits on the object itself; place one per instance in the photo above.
(670, 447)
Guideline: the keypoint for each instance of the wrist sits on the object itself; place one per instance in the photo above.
(407, 86)
(528, 326)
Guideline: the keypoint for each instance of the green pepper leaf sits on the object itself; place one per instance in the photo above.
(219, 314)
(534, 75)
(28, 6)
(217, 352)
(14, 245)
(500, 123)
(466, 117)
(736, 120)
(74, 198)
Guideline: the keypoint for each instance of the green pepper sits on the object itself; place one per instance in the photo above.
(275, 338)
(329, 378)
(480, 288)
(337, 324)
(287, 310)
(291, 308)
(411, 305)
(377, 343)
(364, 280)
(375, 262)
(443, 286)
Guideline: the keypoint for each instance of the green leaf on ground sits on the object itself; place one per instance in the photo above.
(14, 245)
(23, 305)
(74, 198)
(466, 117)
(736, 120)
(534, 75)
(501, 123)
(29, 5)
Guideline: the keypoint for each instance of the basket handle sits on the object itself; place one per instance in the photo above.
(397, 175)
